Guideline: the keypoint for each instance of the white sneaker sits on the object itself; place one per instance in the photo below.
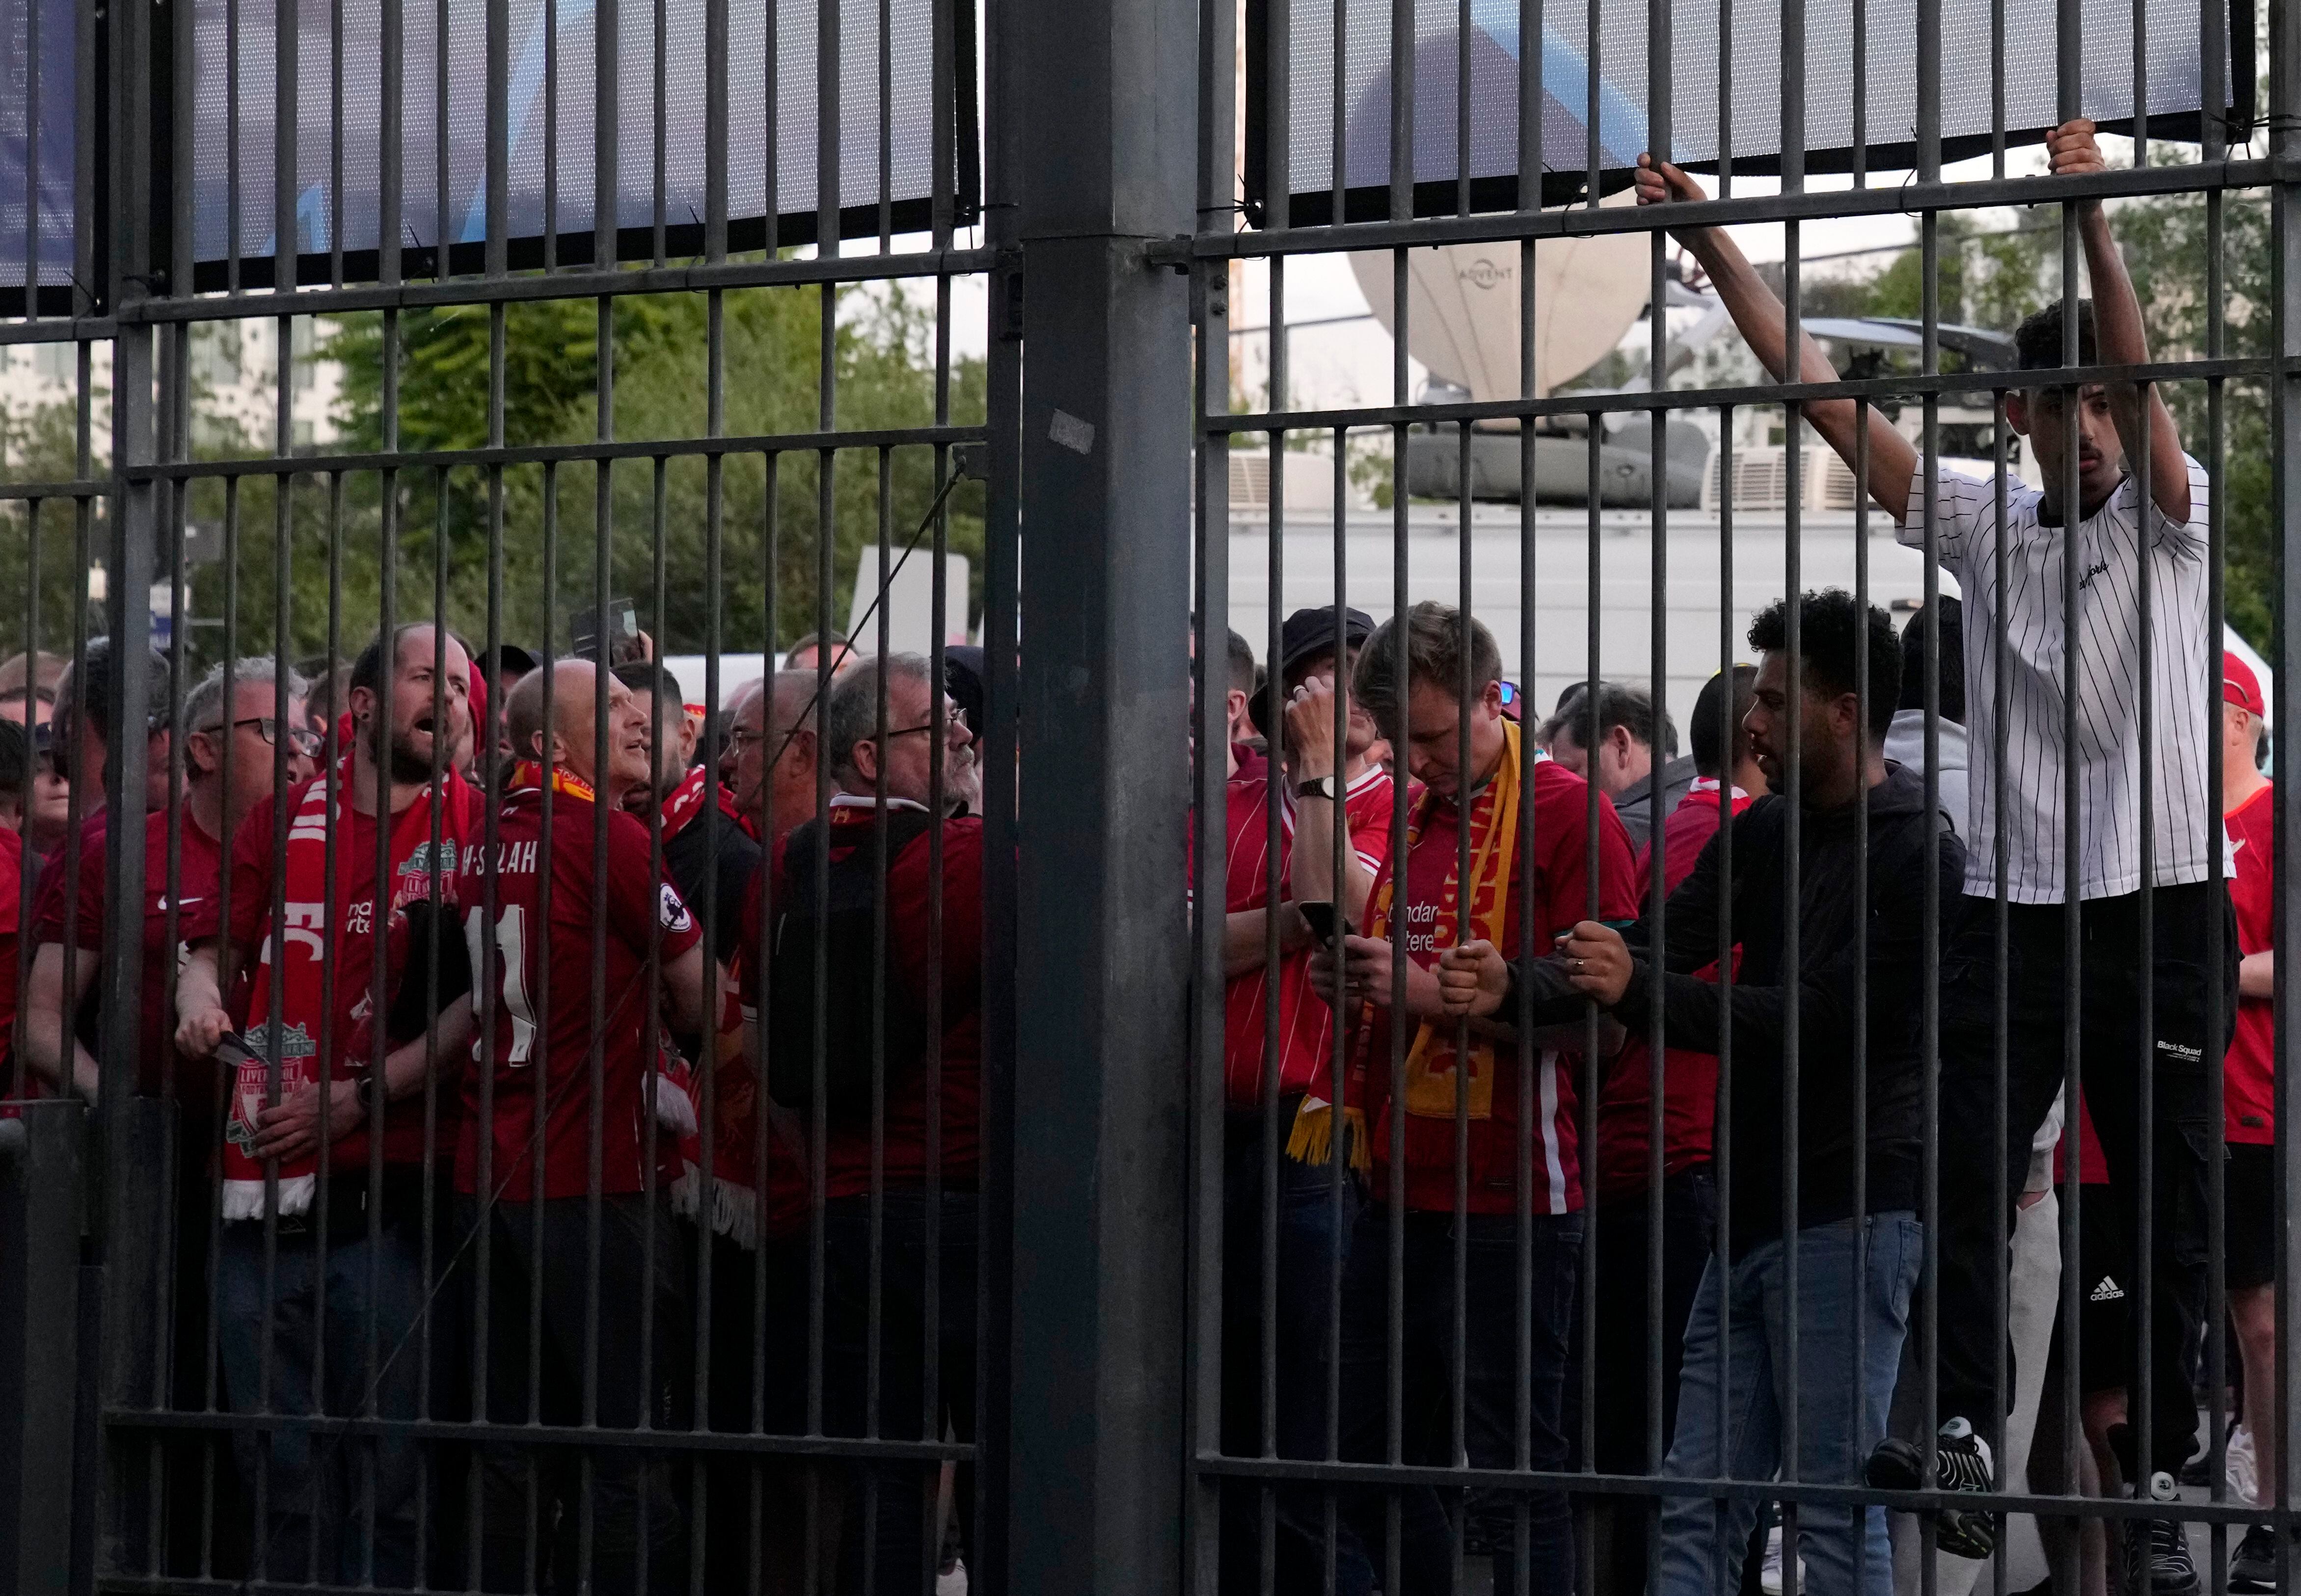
(1770, 1573)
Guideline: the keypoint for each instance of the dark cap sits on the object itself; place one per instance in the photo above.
(967, 679)
(1309, 634)
(506, 660)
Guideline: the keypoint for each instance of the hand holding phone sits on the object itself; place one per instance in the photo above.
(611, 637)
(1328, 925)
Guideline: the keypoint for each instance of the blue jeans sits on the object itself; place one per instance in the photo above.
(311, 1489)
(1730, 1410)
(1304, 1281)
(1489, 1379)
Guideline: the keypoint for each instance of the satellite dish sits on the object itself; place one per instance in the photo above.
(1463, 298)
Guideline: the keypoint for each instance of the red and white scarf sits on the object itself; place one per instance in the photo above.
(286, 1012)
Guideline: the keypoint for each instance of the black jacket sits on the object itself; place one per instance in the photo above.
(1829, 1031)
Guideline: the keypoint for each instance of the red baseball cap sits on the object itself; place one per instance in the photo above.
(2240, 687)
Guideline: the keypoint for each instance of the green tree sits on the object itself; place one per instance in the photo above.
(882, 376)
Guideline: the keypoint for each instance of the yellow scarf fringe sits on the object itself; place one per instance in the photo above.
(1312, 1141)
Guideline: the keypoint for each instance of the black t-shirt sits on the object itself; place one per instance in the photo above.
(686, 860)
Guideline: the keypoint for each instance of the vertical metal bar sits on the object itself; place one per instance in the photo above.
(1210, 733)
(1530, 183)
(390, 130)
(1100, 1013)
(2213, 97)
(828, 187)
(2285, 420)
(1007, 25)
(1721, 1150)
(1278, 189)
(658, 133)
(2068, 101)
(1793, 160)
(32, 147)
(443, 43)
(1655, 893)
(1404, 41)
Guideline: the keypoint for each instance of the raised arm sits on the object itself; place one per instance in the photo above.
(1758, 313)
(2119, 336)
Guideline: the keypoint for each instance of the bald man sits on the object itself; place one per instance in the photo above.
(542, 1022)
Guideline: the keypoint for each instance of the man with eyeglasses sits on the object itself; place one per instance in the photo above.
(774, 754)
(234, 748)
(903, 1032)
(307, 1096)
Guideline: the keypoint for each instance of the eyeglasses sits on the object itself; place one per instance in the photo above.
(739, 737)
(951, 717)
(301, 739)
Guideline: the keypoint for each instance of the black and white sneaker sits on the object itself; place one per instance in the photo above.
(2158, 1550)
(2252, 1567)
(1962, 1462)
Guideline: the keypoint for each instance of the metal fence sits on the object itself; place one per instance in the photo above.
(1147, 1337)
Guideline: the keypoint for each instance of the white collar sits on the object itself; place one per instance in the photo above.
(853, 800)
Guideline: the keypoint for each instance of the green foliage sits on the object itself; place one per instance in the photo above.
(40, 444)
(883, 377)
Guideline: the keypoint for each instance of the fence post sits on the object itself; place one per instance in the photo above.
(129, 1208)
(41, 1206)
(1107, 130)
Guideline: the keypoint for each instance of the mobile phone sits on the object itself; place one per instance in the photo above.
(619, 633)
(235, 1050)
(1617, 927)
(1327, 924)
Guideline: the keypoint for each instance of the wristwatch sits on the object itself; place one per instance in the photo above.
(371, 1098)
(1325, 786)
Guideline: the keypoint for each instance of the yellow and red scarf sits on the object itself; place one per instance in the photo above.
(1432, 1080)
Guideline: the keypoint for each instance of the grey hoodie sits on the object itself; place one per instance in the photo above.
(1905, 744)
(1636, 806)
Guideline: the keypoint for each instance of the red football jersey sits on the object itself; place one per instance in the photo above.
(2248, 1079)
(847, 1151)
(48, 899)
(1690, 1085)
(12, 880)
(534, 981)
(1560, 897)
(1305, 1020)
(201, 872)
(246, 915)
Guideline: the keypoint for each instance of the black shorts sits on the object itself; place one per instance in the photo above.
(2250, 1215)
(2105, 1288)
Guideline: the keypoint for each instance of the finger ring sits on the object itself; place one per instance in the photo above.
(1581, 964)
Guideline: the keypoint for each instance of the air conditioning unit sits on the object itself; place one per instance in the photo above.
(1309, 481)
(1761, 474)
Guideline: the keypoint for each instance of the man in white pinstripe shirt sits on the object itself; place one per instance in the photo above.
(2123, 544)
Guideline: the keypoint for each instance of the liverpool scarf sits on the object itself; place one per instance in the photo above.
(1433, 1077)
(286, 1012)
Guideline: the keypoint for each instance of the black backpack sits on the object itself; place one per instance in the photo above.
(838, 926)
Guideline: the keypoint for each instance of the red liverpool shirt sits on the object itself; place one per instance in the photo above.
(201, 872)
(1305, 1020)
(1560, 898)
(537, 981)
(2248, 1079)
(1689, 1082)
